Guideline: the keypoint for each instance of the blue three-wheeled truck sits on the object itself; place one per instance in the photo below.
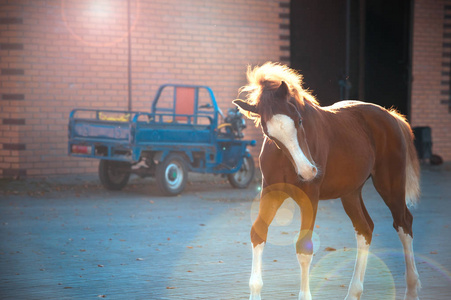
(180, 134)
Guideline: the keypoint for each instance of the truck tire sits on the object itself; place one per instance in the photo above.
(114, 175)
(172, 175)
(243, 177)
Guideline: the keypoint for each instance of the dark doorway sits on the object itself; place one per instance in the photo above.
(387, 53)
(360, 45)
(318, 45)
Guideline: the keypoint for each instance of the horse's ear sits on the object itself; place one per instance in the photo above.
(245, 106)
(282, 91)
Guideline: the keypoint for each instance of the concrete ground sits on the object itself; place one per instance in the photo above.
(68, 238)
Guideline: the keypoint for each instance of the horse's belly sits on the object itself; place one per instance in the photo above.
(332, 190)
(345, 176)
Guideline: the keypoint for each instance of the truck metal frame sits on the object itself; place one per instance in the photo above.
(138, 142)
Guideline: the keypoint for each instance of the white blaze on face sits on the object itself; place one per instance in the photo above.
(281, 127)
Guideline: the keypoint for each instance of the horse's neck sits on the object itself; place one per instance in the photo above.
(312, 114)
(313, 122)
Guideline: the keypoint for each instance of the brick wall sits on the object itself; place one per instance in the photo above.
(58, 55)
(431, 71)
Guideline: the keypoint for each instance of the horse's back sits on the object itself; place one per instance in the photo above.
(381, 126)
(363, 136)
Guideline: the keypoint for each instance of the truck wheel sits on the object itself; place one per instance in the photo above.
(114, 175)
(171, 175)
(243, 177)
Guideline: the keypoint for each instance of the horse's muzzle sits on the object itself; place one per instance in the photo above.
(309, 173)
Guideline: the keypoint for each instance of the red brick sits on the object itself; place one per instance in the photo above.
(427, 72)
(83, 63)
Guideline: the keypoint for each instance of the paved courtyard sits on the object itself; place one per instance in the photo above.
(68, 238)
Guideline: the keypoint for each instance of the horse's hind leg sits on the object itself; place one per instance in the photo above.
(363, 225)
(390, 185)
(412, 277)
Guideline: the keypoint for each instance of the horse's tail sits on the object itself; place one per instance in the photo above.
(412, 162)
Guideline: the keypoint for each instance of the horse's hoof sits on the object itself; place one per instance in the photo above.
(411, 297)
(255, 297)
(412, 292)
(305, 296)
(353, 297)
(355, 290)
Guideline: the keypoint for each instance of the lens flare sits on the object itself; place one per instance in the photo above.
(284, 216)
(435, 266)
(102, 17)
(285, 226)
(437, 272)
(316, 240)
(284, 229)
(334, 271)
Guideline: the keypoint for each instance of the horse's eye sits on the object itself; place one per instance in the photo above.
(300, 122)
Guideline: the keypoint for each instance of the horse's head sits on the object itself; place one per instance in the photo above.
(281, 121)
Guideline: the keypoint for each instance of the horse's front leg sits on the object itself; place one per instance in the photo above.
(304, 244)
(256, 281)
(305, 261)
(269, 204)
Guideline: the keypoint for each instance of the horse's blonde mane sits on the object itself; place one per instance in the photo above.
(269, 76)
